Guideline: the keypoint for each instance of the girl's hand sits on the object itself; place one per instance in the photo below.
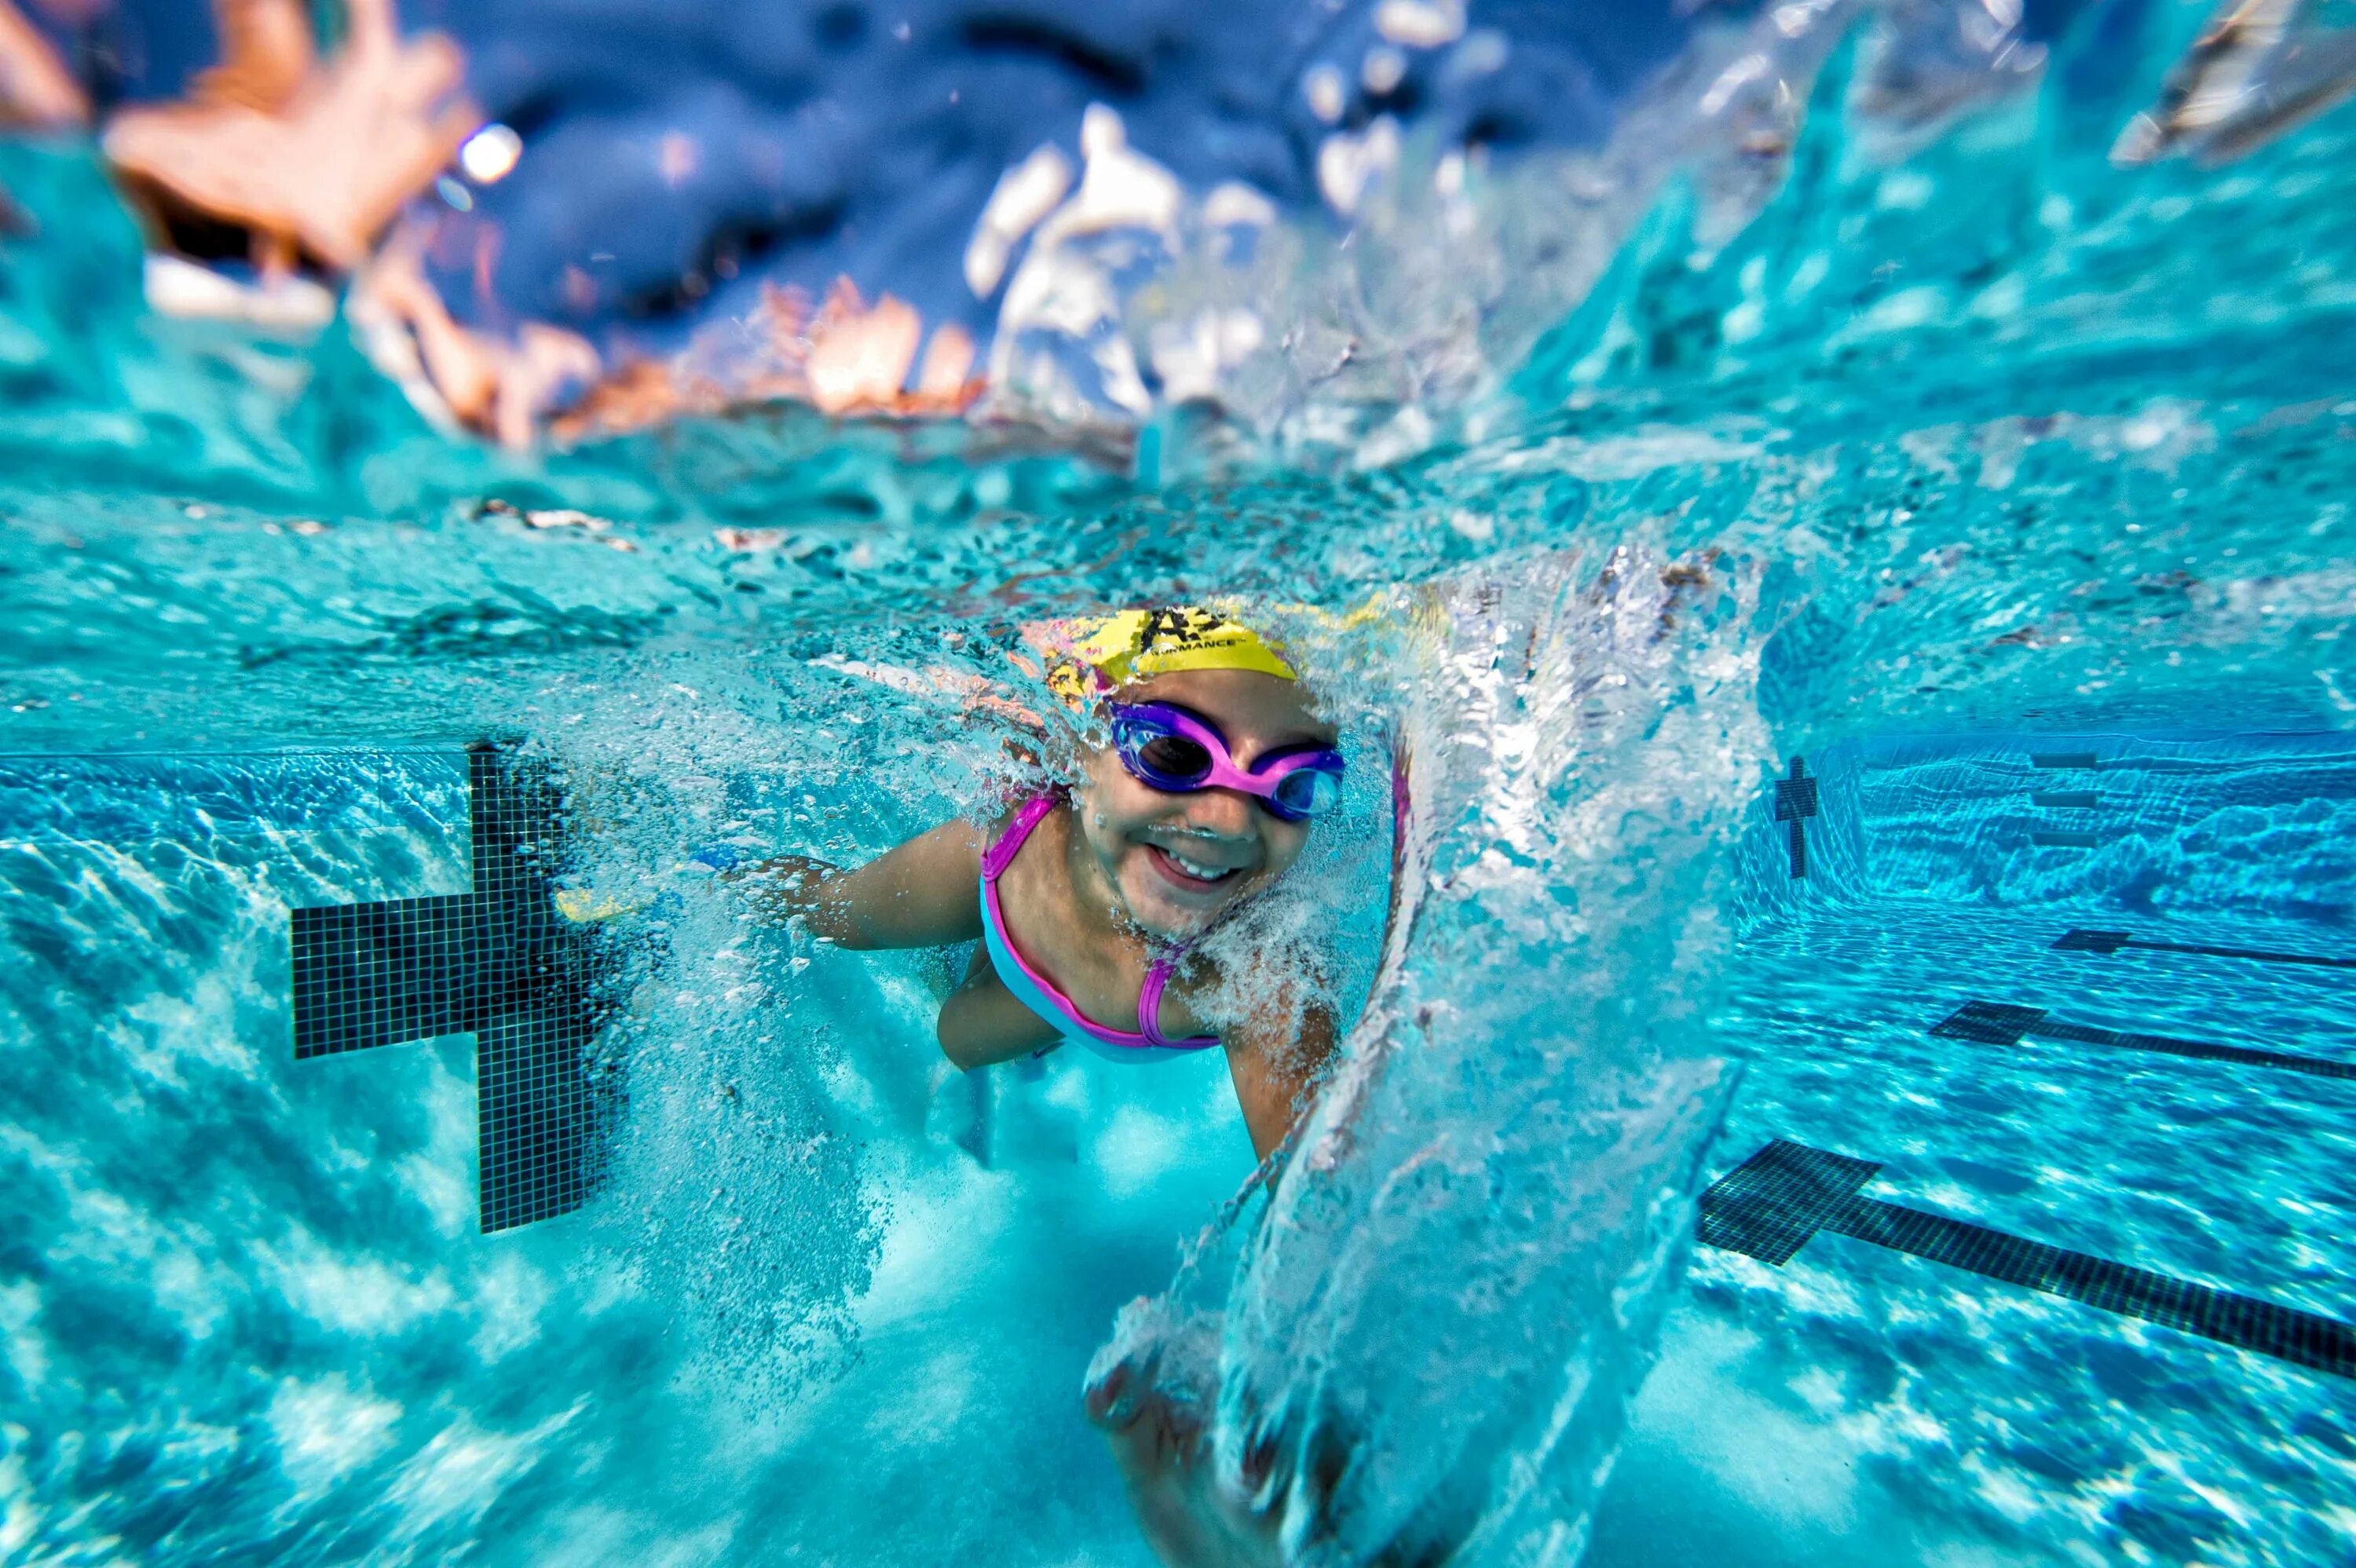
(784, 886)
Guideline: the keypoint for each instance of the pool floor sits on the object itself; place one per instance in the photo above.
(1858, 1404)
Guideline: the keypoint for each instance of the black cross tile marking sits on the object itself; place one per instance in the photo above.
(1770, 1205)
(500, 962)
(1997, 1023)
(1795, 802)
(1989, 1023)
(378, 974)
(2108, 941)
(537, 1111)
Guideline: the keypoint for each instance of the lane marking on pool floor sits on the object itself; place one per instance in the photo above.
(2110, 941)
(1771, 1204)
(2003, 1023)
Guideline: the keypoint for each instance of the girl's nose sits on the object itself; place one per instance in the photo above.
(1221, 811)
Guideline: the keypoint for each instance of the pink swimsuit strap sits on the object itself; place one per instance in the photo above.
(1148, 1034)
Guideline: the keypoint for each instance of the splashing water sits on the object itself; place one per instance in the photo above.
(1913, 425)
(1511, 1142)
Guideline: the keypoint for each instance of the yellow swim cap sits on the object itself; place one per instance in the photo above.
(1103, 654)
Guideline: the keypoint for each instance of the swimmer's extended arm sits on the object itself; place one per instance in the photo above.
(1275, 1059)
(1277, 1056)
(918, 895)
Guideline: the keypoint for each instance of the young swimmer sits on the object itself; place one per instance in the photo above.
(1085, 900)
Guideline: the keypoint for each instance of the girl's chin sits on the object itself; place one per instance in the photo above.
(1171, 911)
(1159, 917)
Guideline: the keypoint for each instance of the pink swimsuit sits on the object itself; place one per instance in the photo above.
(1040, 994)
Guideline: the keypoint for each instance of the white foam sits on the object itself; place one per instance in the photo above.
(327, 1430)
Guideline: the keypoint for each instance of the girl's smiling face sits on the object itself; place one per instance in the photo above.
(1177, 860)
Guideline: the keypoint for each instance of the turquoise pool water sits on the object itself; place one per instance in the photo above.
(1970, 450)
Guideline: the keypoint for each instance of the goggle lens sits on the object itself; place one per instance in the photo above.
(1305, 793)
(1174, 757)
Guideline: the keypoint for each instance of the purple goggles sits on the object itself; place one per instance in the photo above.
(1171, 750)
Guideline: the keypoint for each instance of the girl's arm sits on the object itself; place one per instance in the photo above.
(1275, 1057)
(983, 1022)
(918, 895)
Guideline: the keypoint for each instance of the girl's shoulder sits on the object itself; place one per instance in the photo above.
(1215, 988)
(1019, 820)
(1206, 986)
